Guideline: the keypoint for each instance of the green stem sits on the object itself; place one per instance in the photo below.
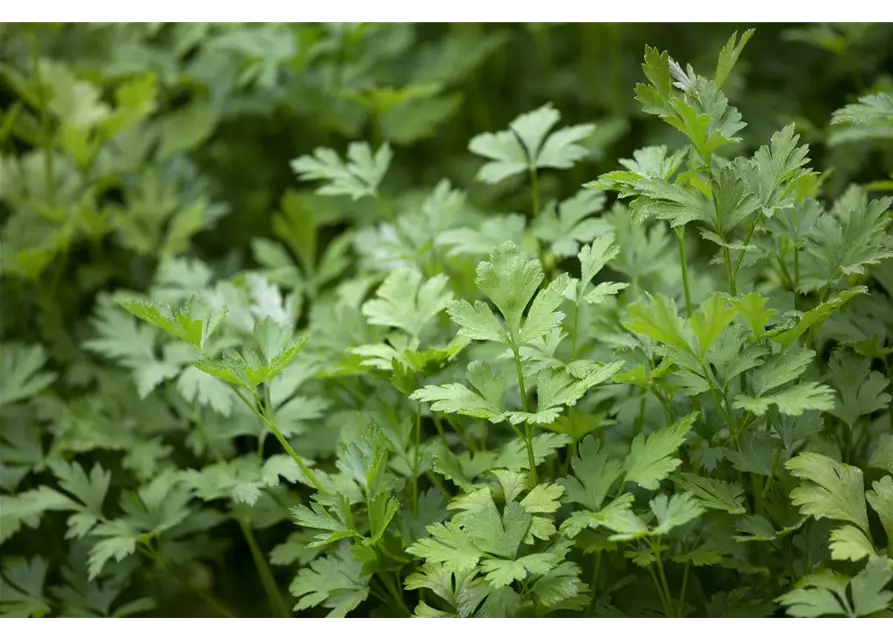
(596, 570)
(639, 423)
(535, 192)
(394, 591)
(462, 432)
(747, 242)
(669, 416)
(417, 428)
(733, 289)
(682, 589)
(440, 431)
(680, 239)
(263, 569)
(756, 486)
(663, 577)
(271, 425)
(528, 428)
(660, 591)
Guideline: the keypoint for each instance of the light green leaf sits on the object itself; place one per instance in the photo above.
(651, 458)
(829, 489)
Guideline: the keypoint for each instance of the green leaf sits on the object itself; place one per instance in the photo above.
(21, 583)
(382, 509)
(880, 497)
(358, 177)
(335, 526)
(711, 493)
(659, 319)
(528, 145)
(250, 368)
(334, 582)
(449, 545)
(117, 539)
(485, 401)
(404, 302)
(729, 54)
(710, 320)
(882, 457)
(782, 368)
(20, 372)
(594, 474)
(869, 108)
(89, 490)
(851, 544)
(793, 401)
(674, 512)
(510, 279)
(860, 390)
(563, 228)
(543, 498)
(194, 323)
(187, 128)
(752, 310)
(828, 489)
(651, 458)
(816, 595)
(867, 587)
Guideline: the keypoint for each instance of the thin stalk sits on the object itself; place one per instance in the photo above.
(440, 431)
(463, 433)
(747, 242)
(680, 239)
(534, 191)
(663, 577)
(394, 591)
(639, 423)
(417, 428)
(528, 428)
(682, 589)
(756, 486)
(575, 331)
(669, 416)
(596, 570)
(668, 612)
(383, 597)
(726, 258)
(263, 569)
(271, 425)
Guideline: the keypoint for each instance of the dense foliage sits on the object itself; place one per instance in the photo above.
(446, 320)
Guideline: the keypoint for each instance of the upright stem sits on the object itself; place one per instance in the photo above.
(267, 419)
(263, 570)
(528, 428)
(663, 578)
(680, 239)
(682, 589)
(596, 570)
(726, 258)
(417, 428)
(535, 192)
